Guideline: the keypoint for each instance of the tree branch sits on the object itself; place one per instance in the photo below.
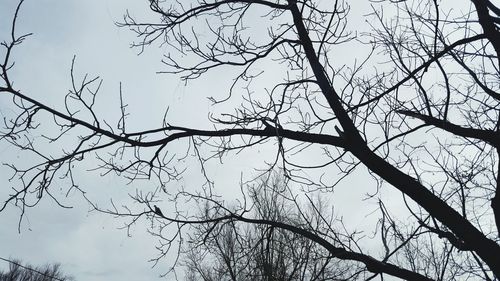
(372, 264)
(488, 136)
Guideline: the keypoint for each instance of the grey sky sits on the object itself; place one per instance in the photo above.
(89, 245)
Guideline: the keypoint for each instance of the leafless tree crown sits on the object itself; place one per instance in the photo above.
(406, 92)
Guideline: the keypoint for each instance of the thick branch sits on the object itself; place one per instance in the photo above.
(328, 91)
(269, 131)
(487, 249)
(488, 24)
(372, 264)
(495, 201)
(484, 135)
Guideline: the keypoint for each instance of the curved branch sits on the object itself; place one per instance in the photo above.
(488, 136)
(372, 264)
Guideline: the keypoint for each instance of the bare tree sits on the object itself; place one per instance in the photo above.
(237, 251)
(415, 106)
(19, 272)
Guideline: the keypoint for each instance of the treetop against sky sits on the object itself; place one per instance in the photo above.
(388, 113)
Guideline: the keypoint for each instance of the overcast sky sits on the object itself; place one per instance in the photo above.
(89, 245)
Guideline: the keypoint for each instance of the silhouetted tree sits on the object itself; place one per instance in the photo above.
(408, 94)
(236, 251)
(19, 272)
